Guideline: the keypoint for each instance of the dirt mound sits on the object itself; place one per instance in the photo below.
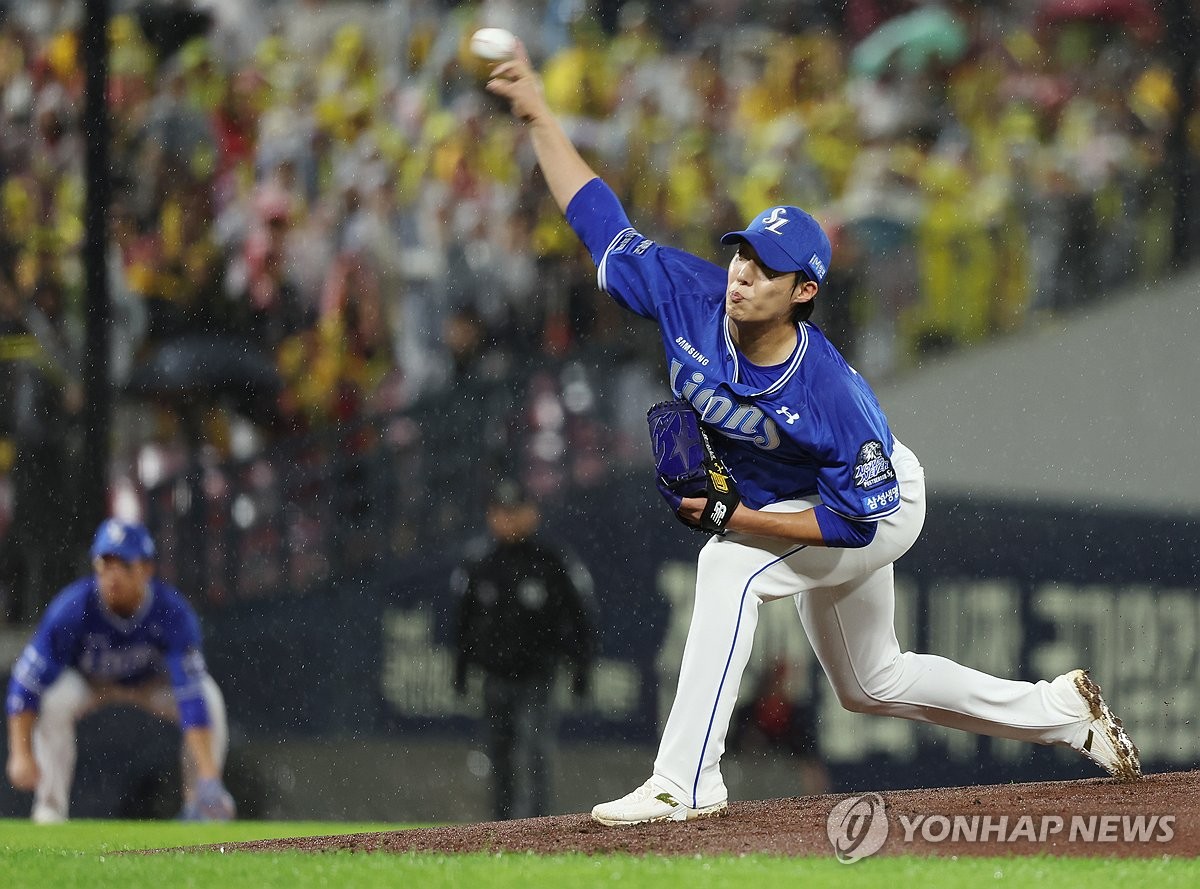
(1151, 818)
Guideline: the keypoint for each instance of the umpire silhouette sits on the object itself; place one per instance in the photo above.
(524, 607)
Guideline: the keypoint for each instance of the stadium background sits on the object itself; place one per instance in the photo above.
(340, 302)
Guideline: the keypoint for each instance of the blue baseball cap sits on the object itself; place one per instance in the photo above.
(125, 540)
(787, 239)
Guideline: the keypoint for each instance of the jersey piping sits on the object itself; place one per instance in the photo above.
(788, 373)
(602, 268)
(873, 517)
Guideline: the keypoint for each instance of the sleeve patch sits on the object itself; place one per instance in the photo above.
(873, 468)
(876, 502)
(630, 242)
(622, 243)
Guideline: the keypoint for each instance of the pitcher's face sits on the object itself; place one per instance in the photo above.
(757, 294)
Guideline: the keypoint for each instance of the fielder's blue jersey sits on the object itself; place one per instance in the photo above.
(809, 426)
(78, 631)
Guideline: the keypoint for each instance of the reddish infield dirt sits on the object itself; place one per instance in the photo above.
(1106, 810)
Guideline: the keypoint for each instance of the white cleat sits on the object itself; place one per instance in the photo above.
(650, 802)
(1105, 741)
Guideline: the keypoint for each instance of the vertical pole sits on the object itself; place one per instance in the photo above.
(93, 493)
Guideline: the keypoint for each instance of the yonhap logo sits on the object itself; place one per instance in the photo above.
(857, 827)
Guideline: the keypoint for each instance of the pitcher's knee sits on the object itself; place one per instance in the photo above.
(856, 699)
(870, 697)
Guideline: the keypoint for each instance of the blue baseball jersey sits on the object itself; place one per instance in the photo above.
(809, 426)
(78, 631)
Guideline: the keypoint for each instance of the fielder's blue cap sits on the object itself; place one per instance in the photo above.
(125, 540)
(787, 239)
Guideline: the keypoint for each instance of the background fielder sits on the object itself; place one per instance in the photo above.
(117, 637)
(830, 498)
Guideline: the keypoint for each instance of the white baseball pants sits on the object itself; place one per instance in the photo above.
(71, 697)
(846, 601)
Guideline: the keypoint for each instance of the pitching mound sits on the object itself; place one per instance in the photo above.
(1154, 817)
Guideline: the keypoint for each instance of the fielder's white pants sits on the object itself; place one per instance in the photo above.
(846, 601)
(71, 697)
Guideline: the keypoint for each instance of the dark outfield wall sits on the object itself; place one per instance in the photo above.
(1024, 591)
(1017, 590)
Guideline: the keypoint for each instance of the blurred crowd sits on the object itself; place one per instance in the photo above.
(318, 214)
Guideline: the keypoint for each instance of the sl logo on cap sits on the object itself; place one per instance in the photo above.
(777, 220)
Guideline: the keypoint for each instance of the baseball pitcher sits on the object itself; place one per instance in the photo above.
(779, 451)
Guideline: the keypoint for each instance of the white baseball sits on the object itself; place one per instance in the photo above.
(493, 44)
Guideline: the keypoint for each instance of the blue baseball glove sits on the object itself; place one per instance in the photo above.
(687, 466)
(211, 803)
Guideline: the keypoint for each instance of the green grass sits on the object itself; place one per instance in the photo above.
(82, 854)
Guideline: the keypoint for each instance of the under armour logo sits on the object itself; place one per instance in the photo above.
(777, 220)
(786, 412)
